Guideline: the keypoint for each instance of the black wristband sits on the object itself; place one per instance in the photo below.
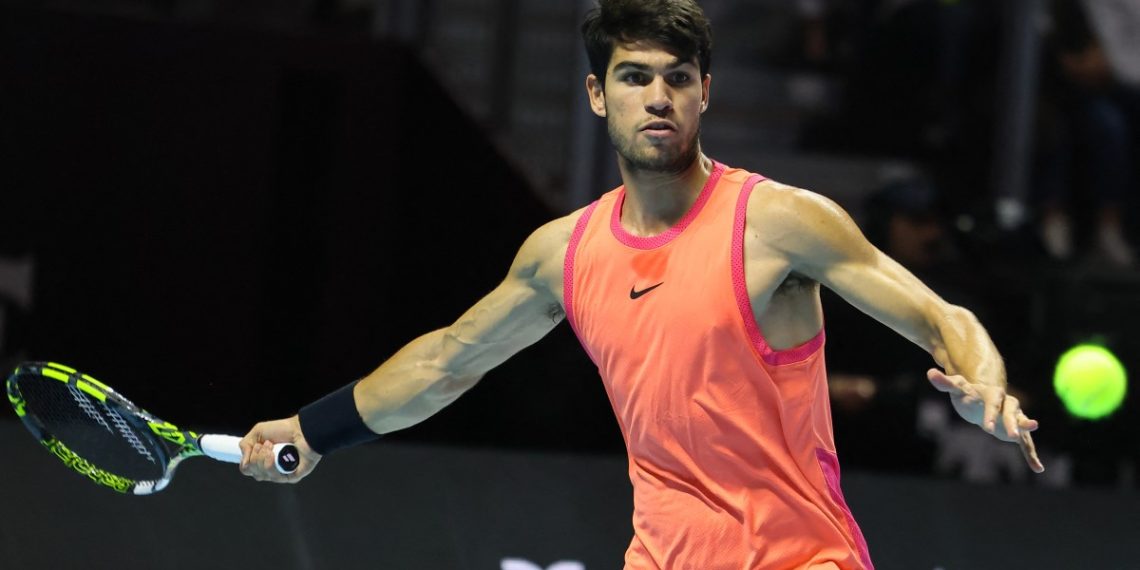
(332, 422)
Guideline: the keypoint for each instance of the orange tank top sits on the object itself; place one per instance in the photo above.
(731, 453)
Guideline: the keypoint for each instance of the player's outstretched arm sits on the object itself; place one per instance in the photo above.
(822, 242)
(433, 370)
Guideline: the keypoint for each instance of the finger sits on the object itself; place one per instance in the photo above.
(941, 381)
(252, 465)
(257, 463)
(993, 400)
(257, 460)
(1029, 450)
(268, 463)
(1025, 423)
(249, 460)
(246, 444)
(248, 457)
(1010, 410)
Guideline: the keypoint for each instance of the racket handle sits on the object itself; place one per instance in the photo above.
(226, 448)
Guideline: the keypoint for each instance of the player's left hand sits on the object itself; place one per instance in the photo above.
(985, 406)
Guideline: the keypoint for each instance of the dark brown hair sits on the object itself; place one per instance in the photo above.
(679, 26)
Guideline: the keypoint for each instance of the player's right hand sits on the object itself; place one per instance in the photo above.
(257, 459)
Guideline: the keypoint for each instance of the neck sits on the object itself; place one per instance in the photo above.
(656, 201)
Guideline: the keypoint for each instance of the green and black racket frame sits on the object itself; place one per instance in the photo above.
(107, 438)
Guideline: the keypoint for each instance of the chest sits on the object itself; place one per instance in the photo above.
(682, 289)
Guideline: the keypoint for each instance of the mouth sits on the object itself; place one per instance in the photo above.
(659, 128)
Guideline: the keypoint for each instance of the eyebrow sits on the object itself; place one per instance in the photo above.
(630, 65)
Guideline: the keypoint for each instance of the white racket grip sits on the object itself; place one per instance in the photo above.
(226, 448)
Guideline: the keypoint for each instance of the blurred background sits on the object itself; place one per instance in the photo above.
(228, 209)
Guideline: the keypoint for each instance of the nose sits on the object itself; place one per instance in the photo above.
(658, 99)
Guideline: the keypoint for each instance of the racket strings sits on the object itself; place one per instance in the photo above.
(129, 434)
(124, 430)
(116, 442)
(85, 405)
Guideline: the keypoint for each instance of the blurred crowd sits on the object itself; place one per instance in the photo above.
(1090, 127)
(922, 80)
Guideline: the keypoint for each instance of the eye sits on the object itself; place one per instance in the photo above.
(679, 78)
(634, 78)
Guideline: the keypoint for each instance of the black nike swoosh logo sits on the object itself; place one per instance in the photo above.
(634, 293)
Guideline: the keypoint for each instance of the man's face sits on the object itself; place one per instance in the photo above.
(652, 102)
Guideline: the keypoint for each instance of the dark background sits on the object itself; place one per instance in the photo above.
(229, 224)
(230, 219)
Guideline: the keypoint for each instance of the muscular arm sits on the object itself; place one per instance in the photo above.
(436, 368)
(823, 243)
(433, 370)
(819, 240)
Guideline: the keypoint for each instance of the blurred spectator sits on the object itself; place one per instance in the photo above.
(1090, 125)
(878, 386)
(919, 80)
(973, 455)
(903, 220)
(832, 32)
(913, 73)
(879, 378)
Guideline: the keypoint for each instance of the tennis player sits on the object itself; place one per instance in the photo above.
(694, 287)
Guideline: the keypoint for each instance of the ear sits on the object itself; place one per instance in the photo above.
(597, 93)
(706, 85)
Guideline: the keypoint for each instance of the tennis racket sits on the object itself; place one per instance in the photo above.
(103, 436)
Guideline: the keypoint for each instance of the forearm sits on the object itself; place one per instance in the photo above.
(431, 371)
(412, 385)
(408, 388)
(962, 346)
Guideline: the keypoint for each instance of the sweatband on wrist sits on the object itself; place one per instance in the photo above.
(332, 422)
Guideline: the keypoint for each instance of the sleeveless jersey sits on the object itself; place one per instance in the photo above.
(731, 453)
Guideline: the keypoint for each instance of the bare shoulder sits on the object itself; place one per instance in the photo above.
(779, 208)
(540, 259)
(799, 223)
(548, 242)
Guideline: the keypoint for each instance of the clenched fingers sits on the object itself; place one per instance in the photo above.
(262, 464)
(247, 444)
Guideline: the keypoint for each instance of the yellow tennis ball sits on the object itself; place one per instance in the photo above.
(1090, 381)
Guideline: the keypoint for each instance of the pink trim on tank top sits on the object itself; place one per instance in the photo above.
(829, 464)
(568, 273)
(653, 242)
(744, 302)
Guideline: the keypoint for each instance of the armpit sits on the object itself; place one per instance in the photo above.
(796, 283)
(555, 312)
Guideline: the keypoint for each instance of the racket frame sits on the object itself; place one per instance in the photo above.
(184, 443)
